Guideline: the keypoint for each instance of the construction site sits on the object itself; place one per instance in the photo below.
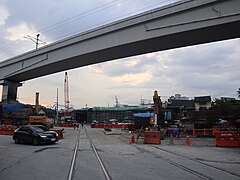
(197, 117)
(196, 138)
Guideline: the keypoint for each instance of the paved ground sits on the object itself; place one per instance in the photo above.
(195, 141)
(201, 160)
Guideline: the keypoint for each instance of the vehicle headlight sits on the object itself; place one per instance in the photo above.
(43, 136)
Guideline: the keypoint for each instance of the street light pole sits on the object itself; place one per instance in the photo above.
(37, 40)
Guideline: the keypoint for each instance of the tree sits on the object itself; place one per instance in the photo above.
(238, 93)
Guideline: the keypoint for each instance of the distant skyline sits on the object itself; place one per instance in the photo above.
(201, 70)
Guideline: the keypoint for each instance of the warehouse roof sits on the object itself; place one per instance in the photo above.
(124, 108)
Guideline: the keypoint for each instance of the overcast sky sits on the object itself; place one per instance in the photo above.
(207, 69)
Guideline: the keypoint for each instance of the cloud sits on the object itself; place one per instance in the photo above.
(207, 69)
(132, 79)
(19, 31)
(3, 15)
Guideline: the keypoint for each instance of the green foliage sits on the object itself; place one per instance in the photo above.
(238, 93)
(227, 104)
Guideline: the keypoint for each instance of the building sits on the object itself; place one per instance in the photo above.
(202, 103)
(178, 97)
(105, 113)
(179, 108)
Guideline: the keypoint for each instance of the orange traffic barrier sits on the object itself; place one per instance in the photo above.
(7, 130)
(188, 141)
(204, 132)
(66, 125)
(227, 139)
(152, 137)
(213, 132)
(132, 139)
(193, 131)
(215, 129)
(121, 126)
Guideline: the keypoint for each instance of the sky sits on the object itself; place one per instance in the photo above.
(201, 70)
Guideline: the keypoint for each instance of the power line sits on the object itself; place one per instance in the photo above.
(76, 17)
(60, 23)
(82, 15)
(35, 40)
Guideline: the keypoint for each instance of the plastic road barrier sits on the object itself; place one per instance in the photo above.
(152, 137)
(227, 139)
(7, 130)
(122, 126)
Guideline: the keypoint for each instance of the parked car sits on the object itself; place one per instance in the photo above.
(113, 121)
(33, 134)
(126, 122)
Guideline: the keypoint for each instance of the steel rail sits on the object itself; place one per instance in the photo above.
(189, 170)
(98, 157)
(70, 174)
(200, 161)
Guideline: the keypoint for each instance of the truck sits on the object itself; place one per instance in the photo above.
(41, 120)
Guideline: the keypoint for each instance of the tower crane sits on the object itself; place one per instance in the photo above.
(66, 95)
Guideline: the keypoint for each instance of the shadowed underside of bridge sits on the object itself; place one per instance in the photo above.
(184, 23)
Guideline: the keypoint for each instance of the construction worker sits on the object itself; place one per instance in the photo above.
(82, 125)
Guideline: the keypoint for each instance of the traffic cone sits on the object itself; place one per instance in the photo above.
(188, 141)
(213, 131)
(185, 130)
(193, 131)
(204, 132)
(132, 139)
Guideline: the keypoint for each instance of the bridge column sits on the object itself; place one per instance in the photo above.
(9, 91)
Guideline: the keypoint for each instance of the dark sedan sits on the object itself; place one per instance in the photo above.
(34, 135)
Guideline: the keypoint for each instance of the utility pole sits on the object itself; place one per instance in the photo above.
(57, 108)
(35, 40)
(117, 103)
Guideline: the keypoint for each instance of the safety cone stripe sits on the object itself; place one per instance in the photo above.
(132, 139)
(188, 141)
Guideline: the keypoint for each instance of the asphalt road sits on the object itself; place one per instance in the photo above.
(121, 159)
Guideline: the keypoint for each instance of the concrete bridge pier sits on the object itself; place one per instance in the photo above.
(9, 91)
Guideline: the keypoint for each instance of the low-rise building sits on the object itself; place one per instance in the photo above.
(202, 103)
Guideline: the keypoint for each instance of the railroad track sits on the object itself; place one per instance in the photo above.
(75, 154)
(185, 168)
(200, 168)
(201, 161)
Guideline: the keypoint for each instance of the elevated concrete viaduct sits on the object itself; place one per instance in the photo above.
(184, 23)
